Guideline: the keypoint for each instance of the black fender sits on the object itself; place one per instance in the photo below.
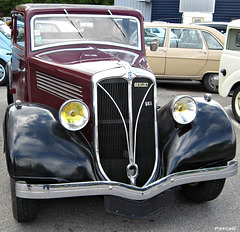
(206, 142)
(37, 146)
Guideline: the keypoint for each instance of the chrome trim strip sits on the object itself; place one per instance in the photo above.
(50, 191)
(130, 123)
(179, 77)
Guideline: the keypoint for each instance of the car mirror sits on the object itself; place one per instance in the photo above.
(154, 44)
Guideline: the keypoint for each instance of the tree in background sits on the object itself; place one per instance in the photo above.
(7, 5)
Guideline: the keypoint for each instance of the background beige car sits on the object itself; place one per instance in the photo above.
(186, 52)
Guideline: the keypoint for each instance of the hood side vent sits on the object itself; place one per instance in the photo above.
(57, 87)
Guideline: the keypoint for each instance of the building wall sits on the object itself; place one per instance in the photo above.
(166, 10)
(144, 6)
(226, 10)
(204, 6)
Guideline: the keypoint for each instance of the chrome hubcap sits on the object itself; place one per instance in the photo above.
(2, 72)
(237, 104)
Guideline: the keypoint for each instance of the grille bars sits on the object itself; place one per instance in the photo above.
(131, 135)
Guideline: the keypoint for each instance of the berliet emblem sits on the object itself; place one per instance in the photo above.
(130, 75)
(141, 84)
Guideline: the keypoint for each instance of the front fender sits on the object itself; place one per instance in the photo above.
(4, 55)
(226, 83)
(206, 142)
(38, 147)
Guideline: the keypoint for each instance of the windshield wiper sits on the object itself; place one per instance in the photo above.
(70, 20)
(117, 25)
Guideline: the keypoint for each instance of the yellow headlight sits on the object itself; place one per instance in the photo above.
(74, 115)
(184, 109)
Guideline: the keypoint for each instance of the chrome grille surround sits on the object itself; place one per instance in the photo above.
(123, 72)
(57, 87)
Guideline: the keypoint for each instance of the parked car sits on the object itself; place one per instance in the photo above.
(220, 26)
(185, 52)
(6, 19)
(84, 119)
(229, 78)
(5, 50)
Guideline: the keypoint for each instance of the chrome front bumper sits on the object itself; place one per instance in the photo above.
(49, 191)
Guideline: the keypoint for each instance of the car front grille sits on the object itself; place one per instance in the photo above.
(125, 122)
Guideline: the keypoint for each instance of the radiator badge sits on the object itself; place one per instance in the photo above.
(130, 75)
(140, 85)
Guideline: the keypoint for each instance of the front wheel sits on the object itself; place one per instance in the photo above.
(236, 103)
(204, 191)
(24, 210)
(210, 82)
(2, 73)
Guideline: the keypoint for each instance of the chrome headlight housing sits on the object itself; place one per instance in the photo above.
(184, 109)
(74, 115)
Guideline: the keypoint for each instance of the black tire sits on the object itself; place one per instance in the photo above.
(9, 95)
(24, 210)
(2, 73)
(208, 82)
(204, 191)
(9, 98)
(236, 103)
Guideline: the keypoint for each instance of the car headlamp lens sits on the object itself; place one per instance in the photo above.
(74, 115)
(184, 109)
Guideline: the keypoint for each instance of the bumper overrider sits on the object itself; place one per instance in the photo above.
(110, 188)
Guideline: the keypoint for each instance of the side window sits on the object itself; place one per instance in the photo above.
(233, 40)
(212, 42)
(20, 33)
(185, 38)
(155, 33)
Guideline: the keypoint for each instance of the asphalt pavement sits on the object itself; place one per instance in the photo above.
(88, 213)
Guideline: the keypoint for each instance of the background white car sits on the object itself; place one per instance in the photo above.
(229, 77)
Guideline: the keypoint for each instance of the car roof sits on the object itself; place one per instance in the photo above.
(180, 25)
(35, 9)
(234, 23)
(53, 6)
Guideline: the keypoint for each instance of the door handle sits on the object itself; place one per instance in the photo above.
(162, 49)
(21, 70)
(204, 52)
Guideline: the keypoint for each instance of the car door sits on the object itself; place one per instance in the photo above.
(18, 82)
(215, 49)
(156, 59)
(186, 54)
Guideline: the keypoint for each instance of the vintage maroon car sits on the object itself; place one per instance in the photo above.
(84, 118)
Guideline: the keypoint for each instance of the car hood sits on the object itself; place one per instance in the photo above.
(88, 60)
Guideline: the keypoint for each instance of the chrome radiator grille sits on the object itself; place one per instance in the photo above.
(126, 128)
(57, 87)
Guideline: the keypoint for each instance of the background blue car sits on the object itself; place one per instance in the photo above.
(5, 50)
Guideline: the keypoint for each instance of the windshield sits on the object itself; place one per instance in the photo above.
(55, 30)
(5, 30)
